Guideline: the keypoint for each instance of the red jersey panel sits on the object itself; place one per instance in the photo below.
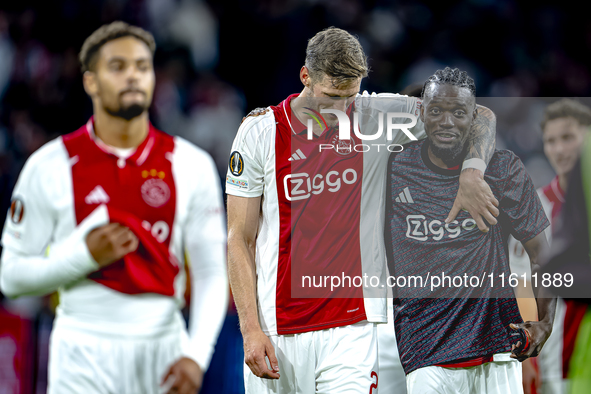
(319, 203)
(139, 193)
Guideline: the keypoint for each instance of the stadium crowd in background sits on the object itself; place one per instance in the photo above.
(216, 60)
(203, 78)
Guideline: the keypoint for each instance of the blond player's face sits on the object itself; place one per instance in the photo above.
(328, 96)
(125, 76)
(563, 139)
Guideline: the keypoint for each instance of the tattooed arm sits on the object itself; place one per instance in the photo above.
(474, 194)
(482, 135)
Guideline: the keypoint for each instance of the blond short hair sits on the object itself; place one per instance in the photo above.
(337, 54)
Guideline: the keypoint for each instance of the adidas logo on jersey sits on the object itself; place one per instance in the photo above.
(298, 155)
(405, 196)
(98, 195)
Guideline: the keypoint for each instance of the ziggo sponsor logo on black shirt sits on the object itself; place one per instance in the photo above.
(419, 228)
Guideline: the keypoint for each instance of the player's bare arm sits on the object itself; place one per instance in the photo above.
(529, 311)
(243, 217)
(482, 135)
(474, 194)
(538, 331)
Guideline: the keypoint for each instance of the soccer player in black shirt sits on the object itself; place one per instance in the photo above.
(454, 310)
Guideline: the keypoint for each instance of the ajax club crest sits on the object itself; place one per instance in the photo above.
(155, 192)
(342, 147)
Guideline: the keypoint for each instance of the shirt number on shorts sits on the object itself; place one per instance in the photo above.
(373, 385)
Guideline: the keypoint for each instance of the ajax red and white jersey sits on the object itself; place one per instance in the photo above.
(166, 191)
(323, 215)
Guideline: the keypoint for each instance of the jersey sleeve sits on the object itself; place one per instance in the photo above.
(246, 166)
(519, 261)
(204, 237)
(518, 258)
(521, 203)
(26, 268)
(30, 221)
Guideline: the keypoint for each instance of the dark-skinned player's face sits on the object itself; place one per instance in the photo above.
(125, 77)
(448, 112)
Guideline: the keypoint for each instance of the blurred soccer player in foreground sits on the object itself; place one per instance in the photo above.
(461, 344)
(569, 254)
(565, 125)
(105, 216)
(322, 344)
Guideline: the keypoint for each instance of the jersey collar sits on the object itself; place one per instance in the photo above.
(435, 168)
(295, 125)
(297, 128)
(141, 152)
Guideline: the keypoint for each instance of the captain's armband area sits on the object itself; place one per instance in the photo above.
(256, 112)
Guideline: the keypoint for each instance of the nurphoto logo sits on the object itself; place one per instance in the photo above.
(345, 124)
(379, 127)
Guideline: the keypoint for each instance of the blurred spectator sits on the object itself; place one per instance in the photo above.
(215, 111)
(569, 256)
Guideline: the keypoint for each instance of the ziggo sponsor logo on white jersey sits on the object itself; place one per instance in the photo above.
(419, 228)
(301, 186)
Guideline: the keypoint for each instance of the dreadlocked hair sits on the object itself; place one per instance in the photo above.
(450, 76)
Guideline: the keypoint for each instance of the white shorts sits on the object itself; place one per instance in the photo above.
(497, 377)
(392, 376)
(339, 360)
(87, 363)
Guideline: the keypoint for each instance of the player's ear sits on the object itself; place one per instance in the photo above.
(305, 76)
(422, 113)
(90, 83)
